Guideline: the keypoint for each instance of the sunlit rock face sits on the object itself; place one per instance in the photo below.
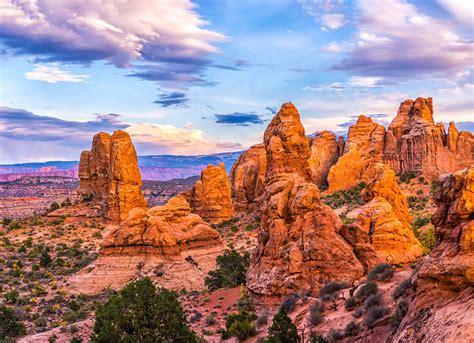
(298, 233)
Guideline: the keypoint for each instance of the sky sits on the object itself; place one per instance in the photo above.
(198, 77)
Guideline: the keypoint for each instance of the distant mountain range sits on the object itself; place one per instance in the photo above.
(152, 167)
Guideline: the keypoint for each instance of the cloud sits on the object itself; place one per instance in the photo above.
(460, 9)
(238, 65)
(25, 136)
(409, 45)
(240, 119)
(301, 70)
(272, 110)
(352, 82)
(172, 99)
(465, 126)
(332, 47)
(53, 74)
(325, 12)
(168, 139)
(170, 35)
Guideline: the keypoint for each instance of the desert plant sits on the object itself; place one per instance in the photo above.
(315, 338)
(401, 289)
(334, 336)
(282, 330)
(400, 312)
(289, 303)
(10, 326)
(367, 289)
(231, 271)
(372, 300)
(331, 288)
(374, 313)
(381, 272)
(350, 303)
(352, 328)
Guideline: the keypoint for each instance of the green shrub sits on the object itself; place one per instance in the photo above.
(350, 303)
(282, 329)
(421, 221)
(331, 288)
(141, 313)
(289, 303)
(315, 338)
(231, 271)
(242, 330)
(372, 300)
(10, 326)
(401, 289)
(406, 177)
(54, 206)
(399, 314)
(334, 336)
(352, 329)
(427, 238)
(381, 272)
(349, 197)
(374, 313)
(14, 225)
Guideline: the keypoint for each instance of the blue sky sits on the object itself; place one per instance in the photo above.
(198, 77)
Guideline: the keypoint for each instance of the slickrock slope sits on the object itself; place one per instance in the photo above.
(382, 232)
(124, 186)
(415, 144)
(298, 233)
(109, 175)
(247, 177)
(211, 196)
(166, 241)
(364, 148)
(444, 306)
(325, 151)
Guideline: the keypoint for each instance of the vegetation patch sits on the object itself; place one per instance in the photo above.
(231, 271)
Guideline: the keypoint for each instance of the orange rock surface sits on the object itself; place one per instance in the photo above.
(443, 308)
(211, 197)
(363, 149)
(325, 151)
(247, 177)
(298, 233)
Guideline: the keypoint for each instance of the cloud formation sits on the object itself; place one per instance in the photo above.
(239, 119)
(326, 12)
(168, 35)
(409, 45)
(25, 136)
(53, 75)
(172, 99)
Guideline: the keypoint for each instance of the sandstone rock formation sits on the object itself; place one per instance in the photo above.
(168, 239)
(443, 308)
(247, 177)
(166, 230)
(298, 234)
(109, 175)
(415, 144)
(325, 151)
(211, 196)
(363, 149)
(383, 229)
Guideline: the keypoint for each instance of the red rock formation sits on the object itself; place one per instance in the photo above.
(415, 144)
(109, 173)
(124, 182)
(167, 230)
(247, 177)
(324, 154)
(443, 307)
(298, 234)
(211, 197)
(363, 149)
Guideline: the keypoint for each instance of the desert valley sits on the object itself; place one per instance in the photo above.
(311, 238)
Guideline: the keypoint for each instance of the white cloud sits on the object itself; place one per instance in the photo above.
(332, 47)
(364, 81)
(333, 20)
(158, 138)
(53, 74)
(462, 10)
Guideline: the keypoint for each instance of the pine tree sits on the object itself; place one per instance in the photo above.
(141, 313)
(282, 330)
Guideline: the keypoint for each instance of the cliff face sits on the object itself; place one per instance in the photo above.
(442, 309)
(109, 175)
(325, 151)
(211, 197)
(364, 148)
(298, 233)
(247, 177)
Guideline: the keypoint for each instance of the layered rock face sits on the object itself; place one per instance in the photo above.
(211, 197)
(325, 151)
(109, 173)
(298, 234)
(382, 232)
(415, 144)
(443, 307)
(167, 230)
(247, 177)
(364, 148)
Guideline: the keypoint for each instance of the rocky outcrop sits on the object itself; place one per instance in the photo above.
(166, 230)
(211, 197)
(415, 144)
(168, 243)
(298, 233)
(442, 309)
(382, 232)
(109, 175)
(247, 177)
(124, 186)
(363, 149)
(325, 151)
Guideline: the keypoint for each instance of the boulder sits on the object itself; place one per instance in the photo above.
(298, 233)
(211, 197)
